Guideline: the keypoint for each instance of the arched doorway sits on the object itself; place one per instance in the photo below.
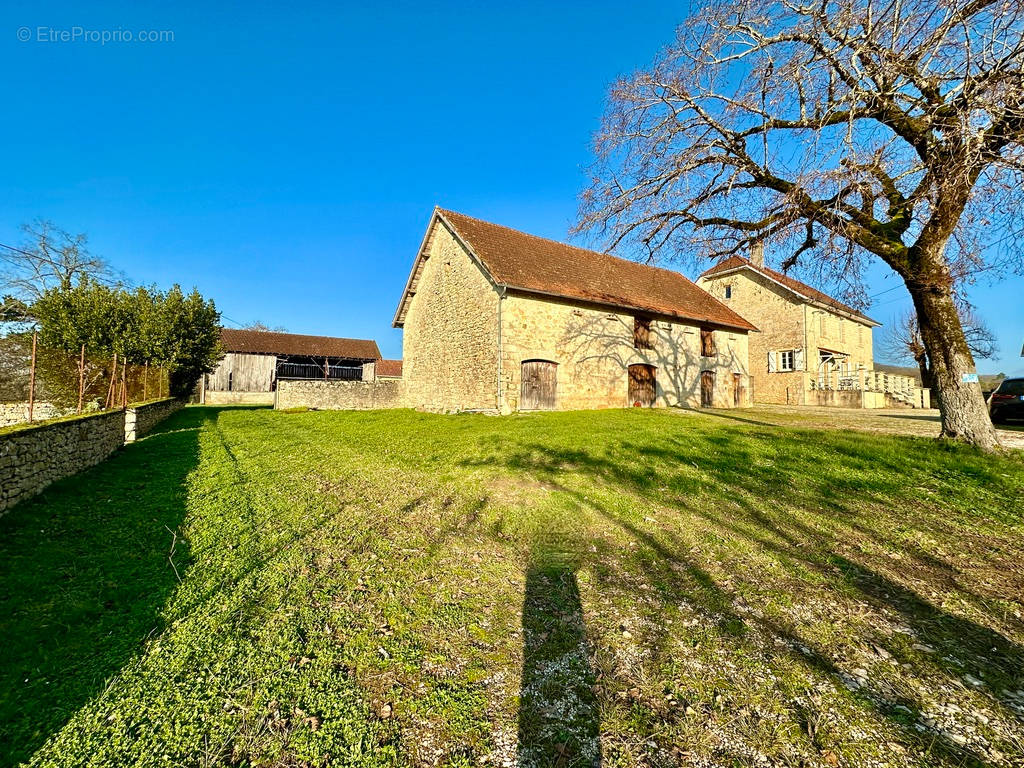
(539, 387)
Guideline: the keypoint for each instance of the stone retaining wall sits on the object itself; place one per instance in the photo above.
(142, 418)
(340, 395)
(35, 456)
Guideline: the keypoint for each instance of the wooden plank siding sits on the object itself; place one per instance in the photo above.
(242, 372)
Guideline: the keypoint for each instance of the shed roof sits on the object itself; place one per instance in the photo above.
(524, 262)
(389, 368)
(805, 291)
(274, 343)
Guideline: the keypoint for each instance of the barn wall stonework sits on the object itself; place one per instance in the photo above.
(450, 339)
(593, 348)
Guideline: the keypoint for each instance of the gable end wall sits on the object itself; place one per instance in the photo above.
(450, 334)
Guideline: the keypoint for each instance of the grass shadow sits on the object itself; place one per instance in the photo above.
(85, 568)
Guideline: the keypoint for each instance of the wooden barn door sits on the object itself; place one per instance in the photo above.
(707, 388)
(737, 388)
(642, 385)
(539, 387)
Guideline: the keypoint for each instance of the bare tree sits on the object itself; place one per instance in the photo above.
(833, 131)
(258, 325)
(50, 258)
(904, 341)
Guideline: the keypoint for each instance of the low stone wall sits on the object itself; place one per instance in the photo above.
(35, 456)
(340, 395)
(843, 398)
(217, 397)
(142, 418)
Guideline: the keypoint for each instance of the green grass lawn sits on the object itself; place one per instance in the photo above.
(625, 588)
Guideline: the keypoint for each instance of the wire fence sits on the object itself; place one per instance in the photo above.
(39, 383)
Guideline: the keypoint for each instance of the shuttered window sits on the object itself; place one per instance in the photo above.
(642, 333)
(707, 343)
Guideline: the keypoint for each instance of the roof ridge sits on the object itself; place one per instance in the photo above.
(289, 333)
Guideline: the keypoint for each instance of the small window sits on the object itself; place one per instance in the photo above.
(728, 291)
(642, 333)
(823, 328)
(842, 330)
(707, 343)
(786, 360)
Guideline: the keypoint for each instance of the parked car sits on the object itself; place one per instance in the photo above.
(1007, 402)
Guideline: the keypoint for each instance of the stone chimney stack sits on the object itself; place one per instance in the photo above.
(757, 254)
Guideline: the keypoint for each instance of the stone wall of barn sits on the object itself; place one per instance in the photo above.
(32, 457)
(593, 349)
(340, 395)
(450, 338)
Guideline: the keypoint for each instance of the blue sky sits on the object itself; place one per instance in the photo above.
(286, 161)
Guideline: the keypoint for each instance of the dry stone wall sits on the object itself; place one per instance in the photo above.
(340, 395)
(33, 457)
(142, 418)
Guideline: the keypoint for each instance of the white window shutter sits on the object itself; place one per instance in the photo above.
(798, 360)
(772, 363)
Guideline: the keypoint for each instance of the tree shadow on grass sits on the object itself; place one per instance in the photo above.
(834, 502)
(85, 568)
(559, 720)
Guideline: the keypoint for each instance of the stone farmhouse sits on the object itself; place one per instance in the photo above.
(255, 361)
(812, 349)
(498, 320)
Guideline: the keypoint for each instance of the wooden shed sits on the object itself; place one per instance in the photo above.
(254, 361)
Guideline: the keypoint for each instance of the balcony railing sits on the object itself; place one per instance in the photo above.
(313, 371)
(904, 388)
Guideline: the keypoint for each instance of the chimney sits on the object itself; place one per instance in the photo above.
(757, 254)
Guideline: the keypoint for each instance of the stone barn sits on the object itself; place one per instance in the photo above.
(498, 320)
(254, 361)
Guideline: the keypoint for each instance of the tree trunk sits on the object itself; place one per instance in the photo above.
(964, 415)
(927, 378)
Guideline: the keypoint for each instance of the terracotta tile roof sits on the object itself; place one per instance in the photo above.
(390, 368)
(272, 343)
(816, 296)
(538, 265)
